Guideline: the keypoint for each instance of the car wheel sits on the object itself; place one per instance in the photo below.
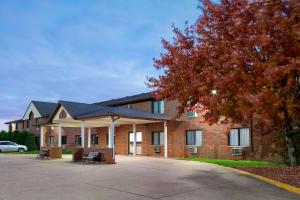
(21, 150)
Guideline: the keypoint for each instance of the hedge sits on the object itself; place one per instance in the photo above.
(23, 138)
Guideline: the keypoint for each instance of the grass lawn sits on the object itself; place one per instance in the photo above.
(233, 163)
(64, 151)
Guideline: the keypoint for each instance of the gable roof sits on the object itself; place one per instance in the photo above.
(44, 108)
(123, 112)
(83, 110)
(128, 99)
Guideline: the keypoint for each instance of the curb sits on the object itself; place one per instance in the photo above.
(270, 181)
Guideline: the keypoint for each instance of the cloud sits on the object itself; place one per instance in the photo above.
(51, 50)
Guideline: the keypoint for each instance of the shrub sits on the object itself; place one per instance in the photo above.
(23, 138)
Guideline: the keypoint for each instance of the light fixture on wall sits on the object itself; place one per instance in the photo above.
(52, 128)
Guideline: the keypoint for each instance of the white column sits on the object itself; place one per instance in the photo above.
(134, 139)
(82, 134)
(109, 137)
(112, 137)
(166, 139)
(89, 138)
(41, 136)
(59, 135)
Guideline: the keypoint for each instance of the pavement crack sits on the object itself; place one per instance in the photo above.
(118, 190)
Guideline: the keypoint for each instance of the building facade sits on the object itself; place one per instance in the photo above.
(140, 127)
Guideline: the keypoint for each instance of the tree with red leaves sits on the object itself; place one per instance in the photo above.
(240, 58)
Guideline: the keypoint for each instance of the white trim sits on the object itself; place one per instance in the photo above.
(42, 136)
(166, 140)
(134, 139)
(59, 135)
(34, 110)
(82, 133)
(56, 117)
(89, 137)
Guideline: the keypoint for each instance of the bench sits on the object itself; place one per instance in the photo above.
(92, 156)
(44, 153)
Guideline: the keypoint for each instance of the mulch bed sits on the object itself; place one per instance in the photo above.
(288, 175)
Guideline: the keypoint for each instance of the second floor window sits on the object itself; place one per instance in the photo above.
(158, 107)
(194, 138)
(158, 138)
(239, 137)
(78, 140)
(95, 139)
(192, 114)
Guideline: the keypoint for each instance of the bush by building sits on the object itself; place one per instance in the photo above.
(24, 138)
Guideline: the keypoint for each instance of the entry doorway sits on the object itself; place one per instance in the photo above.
(138, 143)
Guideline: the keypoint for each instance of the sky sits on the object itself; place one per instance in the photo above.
(83, 51)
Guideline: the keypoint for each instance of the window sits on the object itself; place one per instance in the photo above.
(63, 139)
(192, 114)
(17, 125)
(194, 138)
(95, 139)
(78, 140)
(158, 107)
(239, 137)
(158, 138)
(27, 123)
(52, 140)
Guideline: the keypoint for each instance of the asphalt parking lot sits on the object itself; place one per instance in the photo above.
(24, 177)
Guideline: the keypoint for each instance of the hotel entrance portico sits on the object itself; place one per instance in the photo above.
(90, 116)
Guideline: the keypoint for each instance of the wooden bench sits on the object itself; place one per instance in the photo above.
(92, 156)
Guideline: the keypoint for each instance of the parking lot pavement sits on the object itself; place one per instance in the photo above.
(24, 177)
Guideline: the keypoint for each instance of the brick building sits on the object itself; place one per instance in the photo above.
(139, 124)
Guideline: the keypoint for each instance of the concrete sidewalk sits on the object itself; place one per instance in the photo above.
(24, 177)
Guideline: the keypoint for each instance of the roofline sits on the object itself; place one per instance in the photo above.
(18, 120)
(126, 102)
(125, 116)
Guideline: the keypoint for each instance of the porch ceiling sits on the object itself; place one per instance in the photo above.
(102, 122)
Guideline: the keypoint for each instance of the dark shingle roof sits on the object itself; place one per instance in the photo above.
(44, 108)
(124, 112)
(83, 110)
(76, 109)
(127, 100)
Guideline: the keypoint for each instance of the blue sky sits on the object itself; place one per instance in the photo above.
(85, 51)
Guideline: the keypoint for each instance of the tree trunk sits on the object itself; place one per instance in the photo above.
(291, 152)
(288, 128)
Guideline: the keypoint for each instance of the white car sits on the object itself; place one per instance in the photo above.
(8, 146)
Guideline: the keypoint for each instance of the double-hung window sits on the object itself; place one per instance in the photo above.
(158, 138)
(78, 140)
(239, 137)
(194, 138)
(158, 107)
(95, 139)
(64, 140)
(52, 141)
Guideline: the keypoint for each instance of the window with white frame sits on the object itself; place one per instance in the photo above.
(158, 107)
(78, 140)
(52, 141)
(158, 138)
(239, 137)
(95, 139)
(194, 138)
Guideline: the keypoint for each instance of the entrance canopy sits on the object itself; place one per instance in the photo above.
(73, 114)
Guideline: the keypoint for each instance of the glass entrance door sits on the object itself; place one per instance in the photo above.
(138, 143)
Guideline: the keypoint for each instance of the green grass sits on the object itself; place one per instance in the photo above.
(64, 151)
(233, 163)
